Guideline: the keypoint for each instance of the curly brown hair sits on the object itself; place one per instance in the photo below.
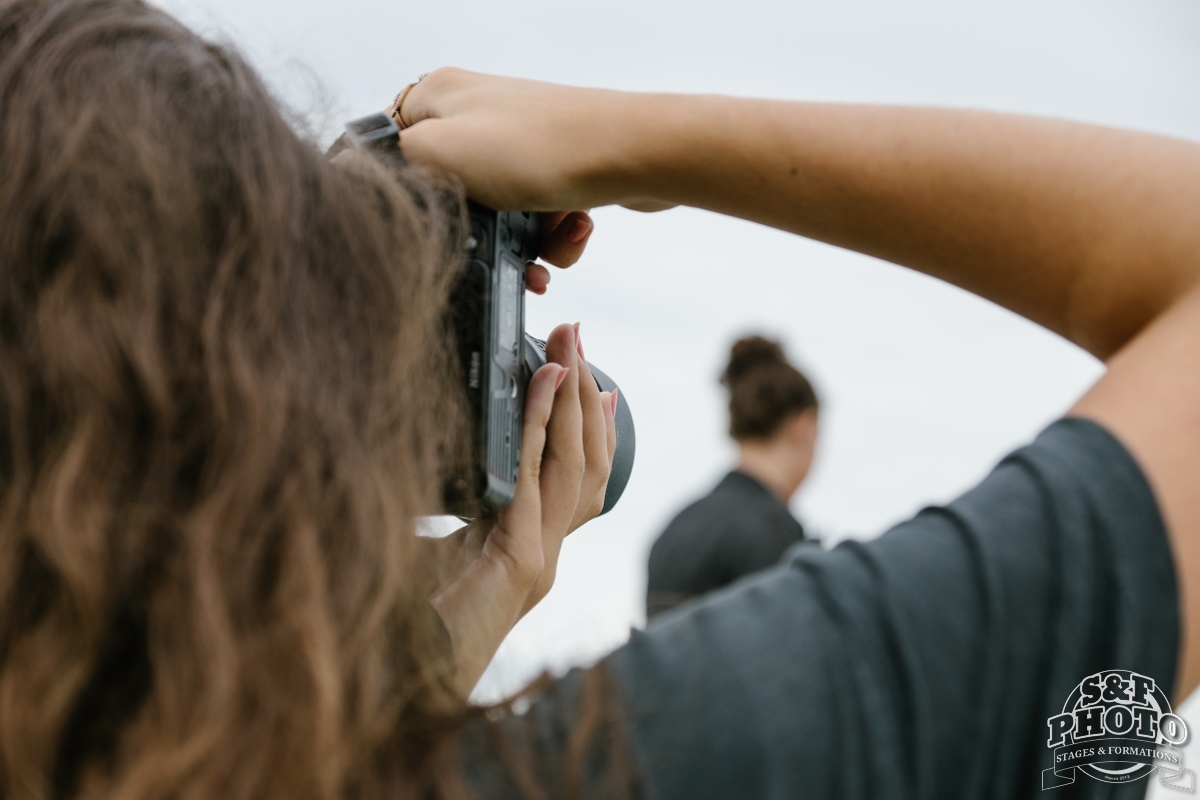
(218, 353)
(764, 388)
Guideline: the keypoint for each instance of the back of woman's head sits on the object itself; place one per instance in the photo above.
(217, 353)
(764, 389)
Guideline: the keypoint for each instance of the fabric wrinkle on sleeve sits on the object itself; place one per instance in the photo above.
(926, 662)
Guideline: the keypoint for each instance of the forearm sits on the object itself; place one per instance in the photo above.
(477, 628)
(1089, 231)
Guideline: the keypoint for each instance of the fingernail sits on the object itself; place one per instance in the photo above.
(562, 375)
(580, 229)
(579, 342)
(614, 401)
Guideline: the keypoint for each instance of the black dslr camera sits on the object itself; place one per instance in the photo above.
(496, 355)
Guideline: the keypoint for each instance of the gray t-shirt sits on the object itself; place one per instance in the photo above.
(923, 664)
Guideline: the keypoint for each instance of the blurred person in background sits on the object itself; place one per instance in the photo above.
(744, 524)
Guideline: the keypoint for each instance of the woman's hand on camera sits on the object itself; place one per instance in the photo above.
(498, 568)
(527, 145)
(564, 235)
(515, 144)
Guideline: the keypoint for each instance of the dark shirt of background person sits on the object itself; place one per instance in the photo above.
(744, 524)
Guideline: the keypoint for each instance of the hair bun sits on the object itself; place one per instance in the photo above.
(751, 353)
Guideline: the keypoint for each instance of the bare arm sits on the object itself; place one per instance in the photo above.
(1094, 233)
(1089, 231)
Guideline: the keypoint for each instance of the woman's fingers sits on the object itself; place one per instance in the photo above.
(563, 459)
(519, 144)
(517, 536)
(608, 409)
(610, 424)
(512, 143)
(539, 409)
(597, 461)
(473, 126)
(537, 278)
(433, 95)
(564, 236)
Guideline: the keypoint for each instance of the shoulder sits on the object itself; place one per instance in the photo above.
(982, 614)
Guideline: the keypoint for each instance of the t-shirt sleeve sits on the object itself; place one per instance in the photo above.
(922, 664)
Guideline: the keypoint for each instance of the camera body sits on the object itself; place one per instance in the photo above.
(496, 356)
(487, 309)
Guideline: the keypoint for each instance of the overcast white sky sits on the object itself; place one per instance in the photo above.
(925, 387)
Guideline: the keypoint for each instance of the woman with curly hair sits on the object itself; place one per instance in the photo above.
(220, 356)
